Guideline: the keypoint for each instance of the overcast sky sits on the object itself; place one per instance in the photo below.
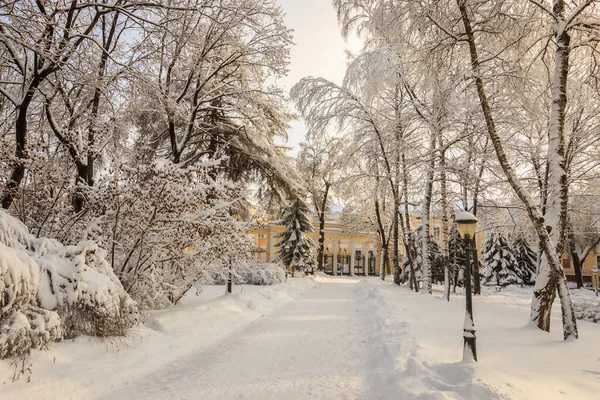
(319, 48)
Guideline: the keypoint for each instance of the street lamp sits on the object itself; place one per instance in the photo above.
(466, 227)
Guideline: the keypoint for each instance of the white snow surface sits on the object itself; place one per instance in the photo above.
(324, 338)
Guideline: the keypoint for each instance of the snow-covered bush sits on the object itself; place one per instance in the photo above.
(168, 229)
(587, 311)
(49, 291)
(263, 274)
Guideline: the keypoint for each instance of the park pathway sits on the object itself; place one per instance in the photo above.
(312, 348)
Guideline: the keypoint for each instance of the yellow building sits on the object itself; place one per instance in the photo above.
(358, 254)
(345, 253)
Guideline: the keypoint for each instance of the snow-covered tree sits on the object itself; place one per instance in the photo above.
(168, 229)
(526, 259)
(499, 261)
(317, 164)
(456, 257)
(296, 249)
(435, 260)
(144, 143)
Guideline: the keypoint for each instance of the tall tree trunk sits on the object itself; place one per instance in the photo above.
(396, 193)
(408, 239)
(476, 272)
(576, 261)
(383, 260)
(21, 149)
(321, 249)
(107, 44)
(426, 213)
(551, 272)
(444, 227)
(395, 243)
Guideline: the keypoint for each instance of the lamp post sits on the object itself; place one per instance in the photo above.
(466, 227)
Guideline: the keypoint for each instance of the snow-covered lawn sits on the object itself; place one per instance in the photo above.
(516, 361)
(324, 338)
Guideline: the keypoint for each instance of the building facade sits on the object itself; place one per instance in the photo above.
(358, 253)
(344, 253)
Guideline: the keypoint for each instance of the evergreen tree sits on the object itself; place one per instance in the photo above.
(296, 249)
(436, 262)
(456, 257)
(526, 259)
(499, 261)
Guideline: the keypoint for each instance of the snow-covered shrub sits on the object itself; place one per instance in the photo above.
(167, 229)
(32, 328)
(587, 311)
(263, 274)
(49, 291)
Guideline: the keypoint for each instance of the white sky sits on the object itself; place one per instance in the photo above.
(319, 49)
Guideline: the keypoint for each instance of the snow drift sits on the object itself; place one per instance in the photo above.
(49, 291)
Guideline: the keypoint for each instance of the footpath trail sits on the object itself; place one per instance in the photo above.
(315, 347)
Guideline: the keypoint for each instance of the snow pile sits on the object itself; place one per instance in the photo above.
(587, 311)
(263, 274)
(585, 302)
(49, 291)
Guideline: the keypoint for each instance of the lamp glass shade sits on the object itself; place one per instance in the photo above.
(467, 223)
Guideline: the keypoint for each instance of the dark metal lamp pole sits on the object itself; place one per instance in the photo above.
(466, 226)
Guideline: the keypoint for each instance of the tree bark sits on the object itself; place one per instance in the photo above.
(21, 149)
(408, 239)
(321, 249)
(444, 227)
(425, 219)
(576, 261)
(476, 272)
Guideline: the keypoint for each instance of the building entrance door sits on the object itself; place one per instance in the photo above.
(328, 264)
(359, 263)
(371, 262)
(343, 267)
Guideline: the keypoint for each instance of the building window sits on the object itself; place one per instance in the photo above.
(532, 237)
(261, 235)
(566, 263)
(598, 261)
(436, 234)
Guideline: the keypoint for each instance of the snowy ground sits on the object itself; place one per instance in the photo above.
(329, 338)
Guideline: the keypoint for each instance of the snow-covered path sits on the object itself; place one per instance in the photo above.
(322, 338)
(314, 347)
